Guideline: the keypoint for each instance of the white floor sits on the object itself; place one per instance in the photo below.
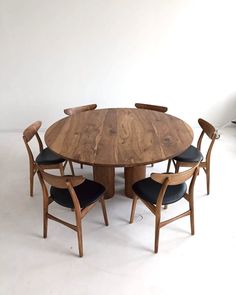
(118, 259)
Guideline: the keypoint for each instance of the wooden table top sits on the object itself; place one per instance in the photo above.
(122, 137)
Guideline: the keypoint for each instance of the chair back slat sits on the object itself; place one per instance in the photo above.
(207, 128)
(157, 108)
(30, 131)
(61, 181)
(174, 179)
(71, 111)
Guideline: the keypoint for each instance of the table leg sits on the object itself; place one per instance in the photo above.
(133, 174)
(106, 176)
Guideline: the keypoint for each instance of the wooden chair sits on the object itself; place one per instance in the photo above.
(193, 154)
(164, 189)
(46, 158)
(151, 107)
(73, 192)
(75, 110)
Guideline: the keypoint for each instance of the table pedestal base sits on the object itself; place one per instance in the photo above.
(133, 174)
(106, 176)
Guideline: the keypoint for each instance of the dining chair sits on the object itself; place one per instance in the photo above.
(84, 108)
(194, 154)
(164, 189)
(75, 110)
(151, 107)
(75, 192)
(45, 159)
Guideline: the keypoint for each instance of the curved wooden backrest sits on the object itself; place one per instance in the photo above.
(71, 111)
(31, 130)
(175, 178)
(151, 107)
(61, 181)
(210, 131)
(207, 128)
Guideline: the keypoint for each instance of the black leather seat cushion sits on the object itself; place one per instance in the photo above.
(87, 192)
(47, 157)
(192, 154)
(148, 190)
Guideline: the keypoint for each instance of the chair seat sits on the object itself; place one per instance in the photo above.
(148, 190)
(87, 192)
(192, 154)
(48, 157)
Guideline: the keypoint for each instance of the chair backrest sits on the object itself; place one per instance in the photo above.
(167, 179)
(207, 128)
(64, 182)
(211, 133)
(74, 110)
(61, 181)
(28, 134)
(151, 107)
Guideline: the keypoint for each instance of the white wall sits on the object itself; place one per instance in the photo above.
(56, 54)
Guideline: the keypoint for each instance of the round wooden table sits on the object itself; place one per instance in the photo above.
(119, 137)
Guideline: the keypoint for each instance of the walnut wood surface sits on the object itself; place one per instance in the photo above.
(119, 137)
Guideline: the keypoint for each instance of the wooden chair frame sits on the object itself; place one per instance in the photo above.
(84, 108)
(211, 133)
(66, 182)
(151, 107)
(28, 134)
(165, 180)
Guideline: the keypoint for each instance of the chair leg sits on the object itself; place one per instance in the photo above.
(135, 198)
(45, 216)
(80, 238)
(45, 224)
(208, 180)
(61, 168)
(71, 168)
(191, 207)
(31, 180)
(168, 166)
(104, 211)
(157, 233)
(177, 167)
